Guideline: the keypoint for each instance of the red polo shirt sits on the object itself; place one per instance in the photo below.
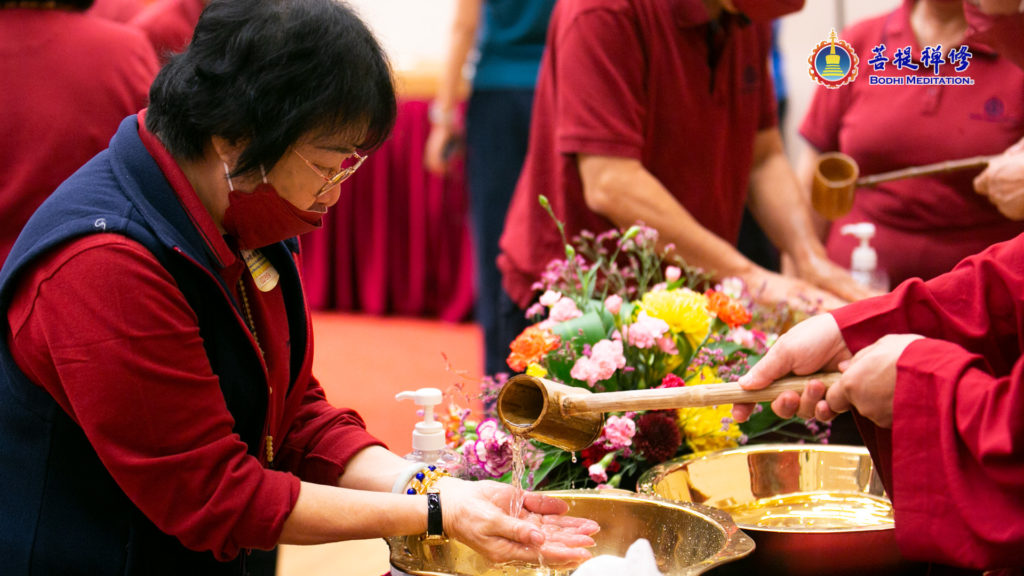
(924, 225)
(103, 327)
(632, 79)
(69, 80)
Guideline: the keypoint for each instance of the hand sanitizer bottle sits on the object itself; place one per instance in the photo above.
(864, 261)
(428, 441)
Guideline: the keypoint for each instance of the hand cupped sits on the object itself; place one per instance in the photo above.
(477, 514)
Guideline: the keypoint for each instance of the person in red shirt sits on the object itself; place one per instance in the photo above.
(935, 374)
(662, 112)
(1001, 23)
(69, 80)
(924, 225)
(167, 23)
(157, 405)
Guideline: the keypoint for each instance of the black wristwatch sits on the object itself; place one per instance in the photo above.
(435, 523)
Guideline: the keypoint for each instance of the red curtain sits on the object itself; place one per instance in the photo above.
(398, 241)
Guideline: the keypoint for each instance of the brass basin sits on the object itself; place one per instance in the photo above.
(811, 509)
(687, 538)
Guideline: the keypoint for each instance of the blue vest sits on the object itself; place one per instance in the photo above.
(61, 513)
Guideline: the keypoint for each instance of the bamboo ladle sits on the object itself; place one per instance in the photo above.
(571, 418)
(836, 179)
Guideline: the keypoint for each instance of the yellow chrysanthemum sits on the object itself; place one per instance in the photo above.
(708, 428)
(685, 311)
(703, 428)
(706, 375)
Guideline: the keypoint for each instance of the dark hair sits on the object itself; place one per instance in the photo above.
(269, 71)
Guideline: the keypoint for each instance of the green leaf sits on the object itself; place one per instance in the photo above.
(761, 422)
(552, 459)
(586, 329)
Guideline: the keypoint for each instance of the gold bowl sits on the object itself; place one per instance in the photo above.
(811, 509)
(687, 538)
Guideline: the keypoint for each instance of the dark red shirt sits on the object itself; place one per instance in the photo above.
(954, 459)
(101, 325)
(924, 225)
(69, 80)
(632, 79)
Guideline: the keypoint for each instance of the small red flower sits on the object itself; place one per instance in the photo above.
(672, 381)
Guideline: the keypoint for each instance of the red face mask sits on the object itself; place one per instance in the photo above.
(261, 217)
(767, 10)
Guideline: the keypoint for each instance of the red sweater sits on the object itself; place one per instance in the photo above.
(101, 325)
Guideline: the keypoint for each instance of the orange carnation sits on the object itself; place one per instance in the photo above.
(530, 347)
(727, 310)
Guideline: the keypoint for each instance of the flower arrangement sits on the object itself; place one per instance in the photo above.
(618, 313)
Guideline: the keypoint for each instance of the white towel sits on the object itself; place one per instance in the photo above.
(639, 561)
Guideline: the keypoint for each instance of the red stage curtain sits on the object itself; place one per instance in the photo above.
(398, 241)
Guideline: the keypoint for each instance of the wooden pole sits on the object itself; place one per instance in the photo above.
(688, 396)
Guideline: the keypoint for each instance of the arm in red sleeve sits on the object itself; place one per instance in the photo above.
(958, 438)
(958, 458)
(322, 439)
(978, 305)
(103, 327)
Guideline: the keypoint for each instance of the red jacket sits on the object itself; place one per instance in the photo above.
(954, 460)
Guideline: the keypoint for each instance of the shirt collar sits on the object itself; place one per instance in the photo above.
(187, 195)
(899, 31)
(689, 13)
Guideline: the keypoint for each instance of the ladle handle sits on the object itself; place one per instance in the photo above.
(687, 396)
(926, 170)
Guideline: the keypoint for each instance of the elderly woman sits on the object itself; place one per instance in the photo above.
(157, 408)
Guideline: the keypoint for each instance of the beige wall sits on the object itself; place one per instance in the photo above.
(799, 34)
(415, 33)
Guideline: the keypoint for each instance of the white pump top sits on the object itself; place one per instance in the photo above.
(428, 436)
(864, 258)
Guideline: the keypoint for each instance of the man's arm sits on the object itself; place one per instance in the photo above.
(623, 191)
(784, 213)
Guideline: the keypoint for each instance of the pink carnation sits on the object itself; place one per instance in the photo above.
(605, 358)
(645, 332)
(619, 432)
(597, 473)
(537, 309)
(613, 304)
(550, 298)
(668, 345)
(564, 309)
(673, 273)
(490, 455)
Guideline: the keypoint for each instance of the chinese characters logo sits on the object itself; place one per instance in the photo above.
(915, 73)
(833, 62)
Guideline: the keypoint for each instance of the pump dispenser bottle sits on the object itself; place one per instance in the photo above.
(428, 441)
(864, 260)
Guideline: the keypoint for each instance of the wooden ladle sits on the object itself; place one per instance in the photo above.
(571, 418)
(836, 179)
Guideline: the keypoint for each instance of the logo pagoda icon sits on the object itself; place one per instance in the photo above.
(833, 62)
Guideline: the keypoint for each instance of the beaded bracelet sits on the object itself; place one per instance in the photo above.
(422, 481)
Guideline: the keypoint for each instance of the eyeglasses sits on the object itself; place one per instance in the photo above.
(333, 178)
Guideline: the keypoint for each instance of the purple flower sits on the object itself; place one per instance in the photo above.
(490, 455)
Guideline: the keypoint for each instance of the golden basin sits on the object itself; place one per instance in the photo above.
(687, 538)
(811, 509)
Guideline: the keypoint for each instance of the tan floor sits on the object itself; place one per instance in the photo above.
(355, 558)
